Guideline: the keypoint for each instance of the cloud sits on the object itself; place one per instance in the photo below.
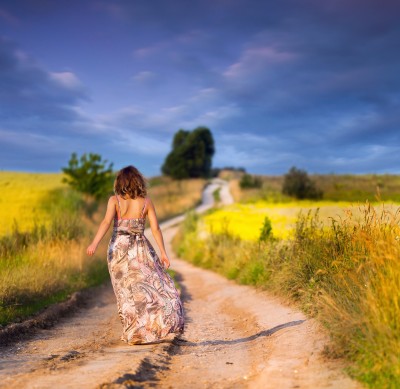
(258, 59)
(67, 80)
(31, 95)
(311, 83)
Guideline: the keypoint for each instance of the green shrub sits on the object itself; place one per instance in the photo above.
(249, 181)
(266, 230)
(89, 175)
(298, 184)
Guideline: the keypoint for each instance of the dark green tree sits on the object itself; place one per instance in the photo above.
(89, 175)
(191, 154)
(298, 184)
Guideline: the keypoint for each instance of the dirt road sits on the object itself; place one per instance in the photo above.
(235, 337)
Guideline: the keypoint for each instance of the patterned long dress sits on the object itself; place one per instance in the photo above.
(148, 303)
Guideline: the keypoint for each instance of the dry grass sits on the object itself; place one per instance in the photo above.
(350, 188)
(43, 256)
(38, 271)
(173, 197)
(42, 244)
(347, 274)
(359, 187)
(23, 196)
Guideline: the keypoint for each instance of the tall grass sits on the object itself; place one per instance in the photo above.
(173, 197)
(44, 265)
(42, 255)
(347, 275)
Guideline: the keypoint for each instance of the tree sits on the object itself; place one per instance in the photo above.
(89, 175)
(191, 154)
(298, 184)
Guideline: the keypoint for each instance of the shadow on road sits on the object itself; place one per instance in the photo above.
(183, 342)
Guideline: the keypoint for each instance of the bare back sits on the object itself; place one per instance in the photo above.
(131, 208)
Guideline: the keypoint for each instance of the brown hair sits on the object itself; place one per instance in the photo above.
(130, 182)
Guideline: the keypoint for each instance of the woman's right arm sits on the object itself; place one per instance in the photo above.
(156, 231)
(104, 226)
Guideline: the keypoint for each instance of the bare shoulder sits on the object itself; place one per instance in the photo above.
(112, 199)
(148, 200)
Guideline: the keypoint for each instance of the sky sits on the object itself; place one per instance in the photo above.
(308, 83)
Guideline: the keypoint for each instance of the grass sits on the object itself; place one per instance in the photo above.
(49, 262)
(345, 187)
(48, 227)
(172, 197)
(217, 195)
(346, 274)
(246, 220)
(27, 197)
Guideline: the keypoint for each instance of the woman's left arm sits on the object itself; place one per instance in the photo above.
(104, 226)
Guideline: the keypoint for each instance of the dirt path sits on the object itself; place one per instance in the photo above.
(236, 337)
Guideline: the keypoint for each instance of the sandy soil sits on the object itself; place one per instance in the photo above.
(235, 337)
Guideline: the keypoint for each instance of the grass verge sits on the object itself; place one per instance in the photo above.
(48, 263)
(43, 249)
(346, 275)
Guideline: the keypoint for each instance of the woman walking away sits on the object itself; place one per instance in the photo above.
(148, 303)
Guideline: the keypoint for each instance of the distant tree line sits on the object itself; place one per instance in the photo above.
(296, 183)
(190, 157)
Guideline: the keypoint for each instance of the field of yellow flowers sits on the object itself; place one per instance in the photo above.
(22, 196)
(246, 220)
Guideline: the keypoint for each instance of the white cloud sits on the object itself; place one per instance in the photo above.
(145, 52)
(258, 59)
(212, 117)
(135, 141)
(67, 80)
(229, 154)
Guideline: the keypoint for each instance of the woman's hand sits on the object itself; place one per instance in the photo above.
(91, 249)
(165, 261)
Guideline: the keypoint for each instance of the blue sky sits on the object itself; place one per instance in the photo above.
(310, 83)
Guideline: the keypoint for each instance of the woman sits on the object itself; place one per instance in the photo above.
(148, 302)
